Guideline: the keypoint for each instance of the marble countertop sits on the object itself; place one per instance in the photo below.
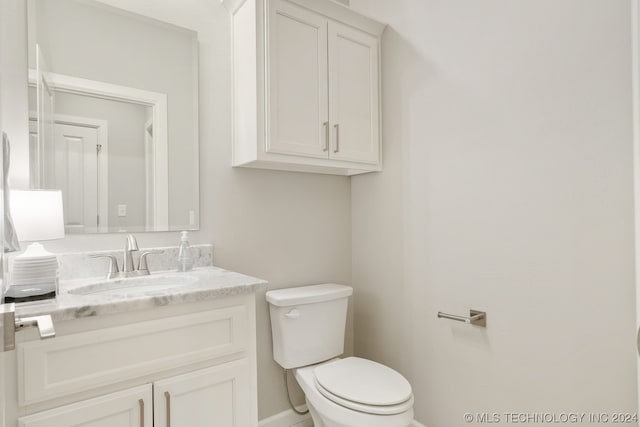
(200, 284)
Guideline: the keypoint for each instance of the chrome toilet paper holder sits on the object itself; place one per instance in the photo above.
(476, 317)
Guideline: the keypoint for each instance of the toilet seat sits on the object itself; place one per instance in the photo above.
(364, 386)
(367, 409)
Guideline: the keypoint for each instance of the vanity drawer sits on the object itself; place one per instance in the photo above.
(78, 362)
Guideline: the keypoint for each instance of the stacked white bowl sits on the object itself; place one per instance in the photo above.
(33, 275)
(34, 270)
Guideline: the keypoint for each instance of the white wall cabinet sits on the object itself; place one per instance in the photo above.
(189, 365)
(298, 101)
(306, 87)
(353, 95)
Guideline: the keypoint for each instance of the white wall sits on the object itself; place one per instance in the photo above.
(507, 188)
(288, 228)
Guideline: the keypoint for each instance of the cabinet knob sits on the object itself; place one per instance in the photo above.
(337, 126)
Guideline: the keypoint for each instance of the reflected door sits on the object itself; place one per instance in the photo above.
(78, 152)
(34, 155)
(45, 124)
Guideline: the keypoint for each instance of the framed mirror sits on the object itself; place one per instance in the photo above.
(113, 102)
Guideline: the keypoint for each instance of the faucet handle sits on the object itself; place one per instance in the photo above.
(143, 267)
(132, 243)
(113, 264)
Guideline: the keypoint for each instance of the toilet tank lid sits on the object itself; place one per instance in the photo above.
(308, 294)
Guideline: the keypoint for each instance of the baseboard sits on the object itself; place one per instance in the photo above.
(289, 418)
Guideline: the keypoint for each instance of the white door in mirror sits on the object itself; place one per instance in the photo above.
(82, 187)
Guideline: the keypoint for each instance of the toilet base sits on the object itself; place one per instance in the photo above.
(317, 419)
(326, 413)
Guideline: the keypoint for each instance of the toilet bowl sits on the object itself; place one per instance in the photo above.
(345, 402)
(308, 325)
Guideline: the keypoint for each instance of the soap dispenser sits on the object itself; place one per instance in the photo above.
(185, 258)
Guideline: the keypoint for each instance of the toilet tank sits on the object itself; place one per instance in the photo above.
(308, 323)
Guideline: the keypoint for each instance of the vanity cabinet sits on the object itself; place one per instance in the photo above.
(215, 396)
(306, 87)
(129, 408)
(206, 398)
(186, 365)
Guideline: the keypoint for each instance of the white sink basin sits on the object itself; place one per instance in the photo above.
(133, 286)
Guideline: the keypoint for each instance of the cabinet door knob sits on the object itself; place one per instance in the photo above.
(337, 126)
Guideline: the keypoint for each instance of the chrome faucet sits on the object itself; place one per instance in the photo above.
(128, 268)
(131, 246)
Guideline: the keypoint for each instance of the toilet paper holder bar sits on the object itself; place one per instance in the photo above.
(478, 318)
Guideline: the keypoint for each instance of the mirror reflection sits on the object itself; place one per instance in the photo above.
(113, 116)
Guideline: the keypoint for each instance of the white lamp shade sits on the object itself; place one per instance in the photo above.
(37, 214)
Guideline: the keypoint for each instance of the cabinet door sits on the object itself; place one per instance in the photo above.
(353, 94)
(297, 117)
(212, 397)
(129, 408)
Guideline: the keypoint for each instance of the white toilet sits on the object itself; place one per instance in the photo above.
(308, 325)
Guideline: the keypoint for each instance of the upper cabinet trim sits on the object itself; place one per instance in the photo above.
(344, 14)
(329, 8)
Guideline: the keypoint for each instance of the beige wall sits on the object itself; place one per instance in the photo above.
(507, 187)
(288, 228)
